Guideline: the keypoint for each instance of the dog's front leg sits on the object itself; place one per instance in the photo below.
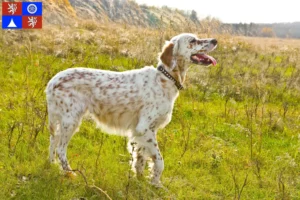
(157, 166)
(139, 158)
(146, 146)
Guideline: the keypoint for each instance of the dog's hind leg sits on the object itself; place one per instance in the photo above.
(68, 128)
(139, 158)
(54, 138)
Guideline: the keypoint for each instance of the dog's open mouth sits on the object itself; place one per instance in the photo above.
(203, 59)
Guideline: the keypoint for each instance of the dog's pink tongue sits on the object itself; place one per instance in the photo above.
(212, 59)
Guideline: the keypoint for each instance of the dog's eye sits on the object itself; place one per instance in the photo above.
(193, 40)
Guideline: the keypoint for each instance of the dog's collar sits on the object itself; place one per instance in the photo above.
(169, 76)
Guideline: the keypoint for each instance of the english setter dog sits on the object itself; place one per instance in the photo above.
(133, 103)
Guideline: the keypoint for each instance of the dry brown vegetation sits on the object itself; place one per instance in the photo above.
(272, 43)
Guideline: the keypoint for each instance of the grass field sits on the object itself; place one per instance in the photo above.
(235, 132)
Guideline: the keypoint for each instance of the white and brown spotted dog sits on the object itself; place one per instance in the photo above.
(133, 103)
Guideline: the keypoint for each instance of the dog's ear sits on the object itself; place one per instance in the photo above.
(176, 46)
(167, 54)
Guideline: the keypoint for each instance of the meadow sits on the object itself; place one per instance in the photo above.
(235, 131)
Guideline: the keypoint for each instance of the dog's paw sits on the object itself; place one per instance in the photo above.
(157, 184)
(70, 174)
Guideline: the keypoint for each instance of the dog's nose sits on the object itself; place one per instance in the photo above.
(214, 42)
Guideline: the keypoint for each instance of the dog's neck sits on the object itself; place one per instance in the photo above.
(177, 70)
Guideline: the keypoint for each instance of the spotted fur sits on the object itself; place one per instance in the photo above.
(133, 103)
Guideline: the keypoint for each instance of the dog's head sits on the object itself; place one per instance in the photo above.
(189, 49)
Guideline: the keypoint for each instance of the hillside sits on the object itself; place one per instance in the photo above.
(281, 30)
(67, 12)
(128, 12)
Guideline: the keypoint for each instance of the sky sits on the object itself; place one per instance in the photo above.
(236, 11)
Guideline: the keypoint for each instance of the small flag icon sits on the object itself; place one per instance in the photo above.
(11, 22)
(11, 8)
(32, 22)
(32, 8)
(22, 15)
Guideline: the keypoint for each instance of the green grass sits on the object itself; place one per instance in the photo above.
(234, 132)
